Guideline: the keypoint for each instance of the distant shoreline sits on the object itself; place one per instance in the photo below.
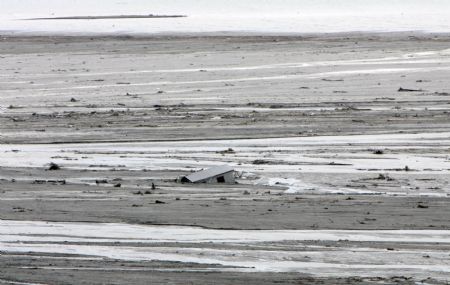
(406, 35)
(150, 16)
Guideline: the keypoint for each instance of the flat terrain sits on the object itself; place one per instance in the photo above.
(341, 145)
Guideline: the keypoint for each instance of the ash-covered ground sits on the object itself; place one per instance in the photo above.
(341, 146)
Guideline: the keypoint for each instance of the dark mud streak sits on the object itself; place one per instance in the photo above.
(108, 17)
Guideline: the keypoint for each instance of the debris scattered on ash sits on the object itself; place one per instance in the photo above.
(409, 90)
(442, 93)
(384, 177)
(227, 151)
(54, 166)
(420, 205)
(261, 161)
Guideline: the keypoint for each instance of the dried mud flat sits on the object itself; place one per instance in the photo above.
(341, 144)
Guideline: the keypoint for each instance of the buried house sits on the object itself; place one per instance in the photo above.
(218, 174)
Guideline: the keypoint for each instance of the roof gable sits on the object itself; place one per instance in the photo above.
(208, 173)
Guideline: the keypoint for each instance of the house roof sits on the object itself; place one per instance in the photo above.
(209, 173)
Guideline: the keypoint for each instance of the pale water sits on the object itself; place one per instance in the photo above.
(227, 16)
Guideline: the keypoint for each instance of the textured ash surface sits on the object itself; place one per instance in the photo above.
(130, 112)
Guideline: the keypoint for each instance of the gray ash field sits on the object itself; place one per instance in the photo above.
(341, 145)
